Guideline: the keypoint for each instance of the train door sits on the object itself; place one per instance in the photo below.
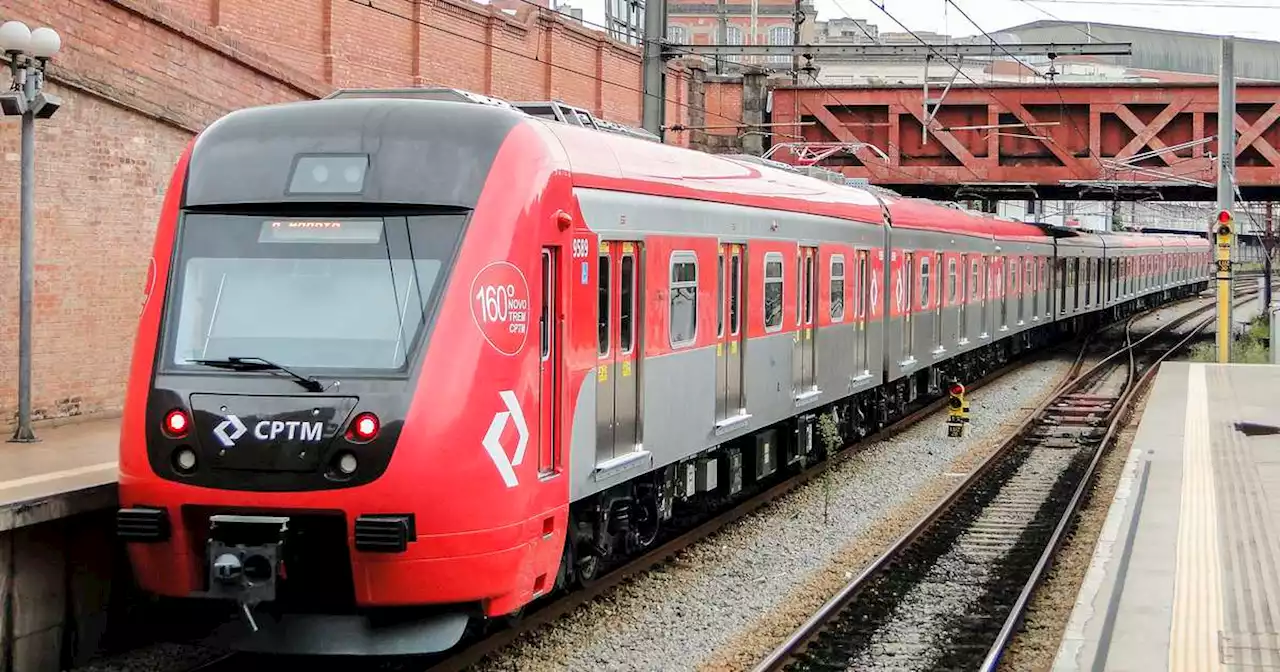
(962, 305)
(1003, 289)
(618, 367)
(1023, 289)
(1062, 285)
(981, 291)
(809, 336)
(1045, 278)
(729, 401)
(906, 285)
(1100, 279)
(861, 355)
(1033, 286)
(797, 337)
(549, 365)
(1075, 283)
(946, 283)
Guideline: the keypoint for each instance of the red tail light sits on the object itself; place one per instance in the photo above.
(365, 427)
(177, 423)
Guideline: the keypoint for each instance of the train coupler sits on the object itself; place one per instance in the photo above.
(246, 559)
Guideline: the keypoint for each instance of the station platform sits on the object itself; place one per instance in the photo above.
(70, 470)
(1186, 572)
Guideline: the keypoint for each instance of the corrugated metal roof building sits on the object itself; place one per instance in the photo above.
(1155, 49)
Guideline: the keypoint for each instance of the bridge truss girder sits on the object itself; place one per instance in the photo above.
(1087, 141)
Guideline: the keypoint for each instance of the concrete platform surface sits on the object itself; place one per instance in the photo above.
(1186, 571)
(71, 469)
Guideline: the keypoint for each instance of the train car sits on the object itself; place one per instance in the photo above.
(406, 365)
(957, 301)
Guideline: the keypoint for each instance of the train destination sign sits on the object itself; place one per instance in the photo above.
(321, 231)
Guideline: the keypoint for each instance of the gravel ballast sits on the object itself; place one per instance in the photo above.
(723, 603)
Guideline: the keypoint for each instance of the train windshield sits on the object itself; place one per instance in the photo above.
(345, 293)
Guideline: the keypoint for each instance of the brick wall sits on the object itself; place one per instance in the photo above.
(140, 77)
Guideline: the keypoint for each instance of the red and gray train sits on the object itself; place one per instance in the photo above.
(409, 360)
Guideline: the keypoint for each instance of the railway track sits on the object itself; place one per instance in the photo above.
(535, 618)
(532, 619)
(476, 652)
(951, 592)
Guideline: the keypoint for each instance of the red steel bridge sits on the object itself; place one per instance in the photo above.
(1061, 141)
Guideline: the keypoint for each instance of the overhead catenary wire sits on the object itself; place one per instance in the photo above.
(961, 72)
(1158, 4)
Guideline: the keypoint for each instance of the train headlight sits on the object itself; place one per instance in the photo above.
(184, 459)
(347, 464)
(329, 174)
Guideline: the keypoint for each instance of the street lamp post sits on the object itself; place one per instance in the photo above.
(29, 52)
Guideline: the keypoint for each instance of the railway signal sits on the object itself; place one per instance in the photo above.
(1224, 233)
(957, 411)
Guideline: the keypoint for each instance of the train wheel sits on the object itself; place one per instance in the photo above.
(564, 576)
(647, 522)
(588, 567)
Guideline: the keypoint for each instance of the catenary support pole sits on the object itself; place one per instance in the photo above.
(1226, 192)
(654, 105)
(1268, 242)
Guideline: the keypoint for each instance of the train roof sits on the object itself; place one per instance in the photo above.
(921, 214)
(621, 163)
(247, 156)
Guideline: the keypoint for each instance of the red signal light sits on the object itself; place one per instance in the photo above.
(364, 427)
(1224, 216)
(957, 389)
(177, 423)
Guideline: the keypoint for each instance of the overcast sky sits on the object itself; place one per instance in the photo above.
(1244, 18)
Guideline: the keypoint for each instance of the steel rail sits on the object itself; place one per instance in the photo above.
(794, 643)
(548, 613)
(1014, 619)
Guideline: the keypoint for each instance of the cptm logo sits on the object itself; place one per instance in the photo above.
(493, 438)
(267, 430)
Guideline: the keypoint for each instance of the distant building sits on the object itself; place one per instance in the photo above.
(513, 7)
(1160, 51)
(1158, 56)
(742, 22)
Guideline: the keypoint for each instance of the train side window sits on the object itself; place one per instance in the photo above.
(924, 280)
(626, 291)
(837, 288)
(951, 281)
(720, 296)
(974, 282)
(772, 297)
(602, 322)
(683, 325)
(735, 283)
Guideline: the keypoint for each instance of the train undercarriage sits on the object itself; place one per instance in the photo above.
(616, 525)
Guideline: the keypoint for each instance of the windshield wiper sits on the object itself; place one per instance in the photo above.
(260, 364)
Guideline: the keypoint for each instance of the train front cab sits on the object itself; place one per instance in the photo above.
(382, 465)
